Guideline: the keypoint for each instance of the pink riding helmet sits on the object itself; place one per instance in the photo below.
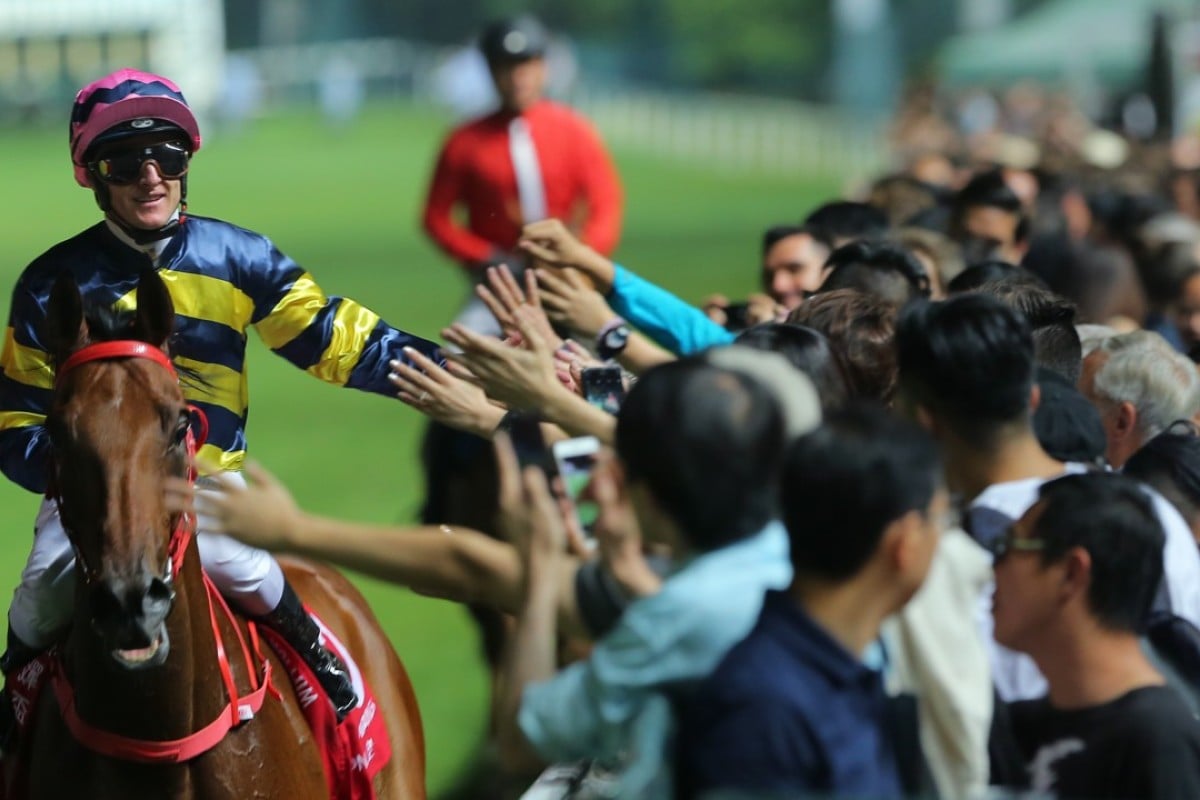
(126, 96)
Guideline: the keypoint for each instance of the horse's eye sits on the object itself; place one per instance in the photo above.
(181, 430)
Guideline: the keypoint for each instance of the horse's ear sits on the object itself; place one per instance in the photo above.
(65, 328)
(155, 320)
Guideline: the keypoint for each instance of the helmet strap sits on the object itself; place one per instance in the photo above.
(140, 235)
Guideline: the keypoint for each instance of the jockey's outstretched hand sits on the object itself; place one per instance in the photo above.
(441, 396)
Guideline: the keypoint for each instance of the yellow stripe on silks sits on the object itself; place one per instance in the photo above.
(26, 365)
(201, 297)
(352, 326)
(211, 459)
(293, 313)
(218, 384)
(10, 420)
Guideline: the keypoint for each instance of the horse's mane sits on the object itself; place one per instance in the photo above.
(106, 324)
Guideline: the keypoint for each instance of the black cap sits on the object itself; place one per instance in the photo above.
(1066, 423)
(511, 40)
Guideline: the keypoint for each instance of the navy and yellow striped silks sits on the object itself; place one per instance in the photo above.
(223, 280)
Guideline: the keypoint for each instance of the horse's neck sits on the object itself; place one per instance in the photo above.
(161, 703)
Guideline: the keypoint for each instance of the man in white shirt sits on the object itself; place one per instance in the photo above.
(967, 374)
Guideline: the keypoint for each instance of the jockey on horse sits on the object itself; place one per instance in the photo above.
(132, 136)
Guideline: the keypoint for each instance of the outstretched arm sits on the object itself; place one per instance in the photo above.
(333, 338)
(529, 517)
(668, 320)
(525, 379)
(449, 563)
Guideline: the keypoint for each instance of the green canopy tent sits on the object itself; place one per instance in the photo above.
(1068, 42)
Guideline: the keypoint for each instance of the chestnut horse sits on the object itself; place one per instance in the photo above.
(120, 427)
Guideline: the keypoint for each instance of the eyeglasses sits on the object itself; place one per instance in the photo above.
(125, 168)
(1008, 542)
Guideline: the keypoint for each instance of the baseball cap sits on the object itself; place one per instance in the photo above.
(515, 39)
(1066, 423)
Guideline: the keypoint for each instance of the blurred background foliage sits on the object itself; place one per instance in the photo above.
(777, 47)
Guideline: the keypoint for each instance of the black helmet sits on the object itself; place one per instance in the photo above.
(511, 40)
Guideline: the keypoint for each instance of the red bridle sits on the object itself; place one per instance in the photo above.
(128, 348)
(240, 708)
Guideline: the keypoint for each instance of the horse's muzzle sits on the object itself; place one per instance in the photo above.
(130, 615)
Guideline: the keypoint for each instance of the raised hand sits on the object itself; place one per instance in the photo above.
(571, 301)
(503, 296)
(549, 241)
(523, 379)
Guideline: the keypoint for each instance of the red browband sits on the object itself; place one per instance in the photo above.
(121, 348)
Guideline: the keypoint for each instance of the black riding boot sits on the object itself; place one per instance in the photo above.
(16, 655)
(291, 621)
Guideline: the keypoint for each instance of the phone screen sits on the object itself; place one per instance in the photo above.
(603, 387)
(576, 458)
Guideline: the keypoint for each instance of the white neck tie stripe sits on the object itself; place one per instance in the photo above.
(530, 190)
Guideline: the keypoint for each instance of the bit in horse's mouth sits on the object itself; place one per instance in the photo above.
(139, 656)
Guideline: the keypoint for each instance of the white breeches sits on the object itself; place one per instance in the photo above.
(41, 605)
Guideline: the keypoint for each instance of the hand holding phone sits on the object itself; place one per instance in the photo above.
(603, 387)
(575, 460)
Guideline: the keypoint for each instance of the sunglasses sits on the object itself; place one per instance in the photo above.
(124, 168)
(1010, 543)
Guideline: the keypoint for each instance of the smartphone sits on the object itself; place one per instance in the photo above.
(575, 459)
(526, 434)
(604, 388)
(736, 317)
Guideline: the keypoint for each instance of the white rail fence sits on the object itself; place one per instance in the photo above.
(720, 131)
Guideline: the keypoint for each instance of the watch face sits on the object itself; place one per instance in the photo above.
(616, 337)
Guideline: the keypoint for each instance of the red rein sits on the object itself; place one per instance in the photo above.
(239, 709)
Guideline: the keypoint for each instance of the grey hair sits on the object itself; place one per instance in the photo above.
(1091, 336)
(1145, 371)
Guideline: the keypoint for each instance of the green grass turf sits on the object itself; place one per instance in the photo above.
(346, 206)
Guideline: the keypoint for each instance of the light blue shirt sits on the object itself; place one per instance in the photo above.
(612, 706)
(676, 325)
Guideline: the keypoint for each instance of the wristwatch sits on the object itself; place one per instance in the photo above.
(611, 340)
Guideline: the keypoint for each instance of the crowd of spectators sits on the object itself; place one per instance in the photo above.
(917, 518)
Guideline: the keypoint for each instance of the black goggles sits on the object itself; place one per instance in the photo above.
(124, 168)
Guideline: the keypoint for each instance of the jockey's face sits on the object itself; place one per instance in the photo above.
(148, 202)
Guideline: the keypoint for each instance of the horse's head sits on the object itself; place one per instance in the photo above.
(119, 425)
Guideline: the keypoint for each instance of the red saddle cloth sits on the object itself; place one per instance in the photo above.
(353, 752)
